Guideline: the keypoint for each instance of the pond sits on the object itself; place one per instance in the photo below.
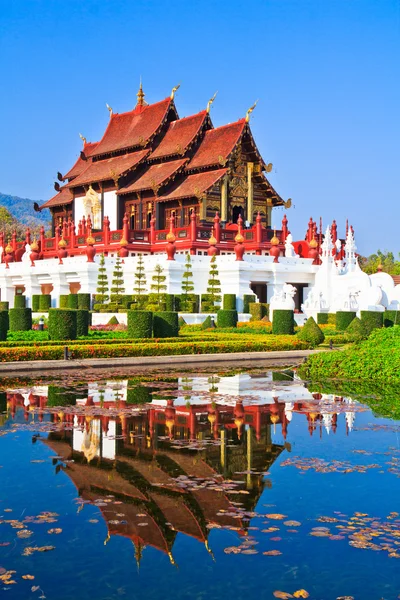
(203, 485)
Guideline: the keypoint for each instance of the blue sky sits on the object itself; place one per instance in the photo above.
(326, 73)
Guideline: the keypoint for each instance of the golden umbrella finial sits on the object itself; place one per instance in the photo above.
(110, 110)
(211, 100)
(248, 113)
(175, 89)
(140, 96)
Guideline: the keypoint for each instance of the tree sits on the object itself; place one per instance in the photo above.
(384, 260)
(102, 283)
(158, 286)
(118, 288)
(187, 283)
(9, 224)
(214, 284)
(140, 282)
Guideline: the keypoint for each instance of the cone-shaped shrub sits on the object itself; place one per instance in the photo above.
(165, 324)
(140, 324)
(4, 325)
(181, 322)
(113, 321)
(343, 319)
(283, 322)
(227, 318)
(371, 320)
(311, 333)
(20, 319)
(206, 324)
(62, 324)
(356, 330)
(82, 322)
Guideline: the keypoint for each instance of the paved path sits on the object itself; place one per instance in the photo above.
(276, 358)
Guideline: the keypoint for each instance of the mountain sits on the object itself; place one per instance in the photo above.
(22, 210)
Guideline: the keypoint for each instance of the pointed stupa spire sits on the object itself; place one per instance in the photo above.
(140, 96)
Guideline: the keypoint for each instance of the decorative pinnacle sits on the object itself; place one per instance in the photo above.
(140, 96)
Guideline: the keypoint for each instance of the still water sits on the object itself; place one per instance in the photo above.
(196, 485)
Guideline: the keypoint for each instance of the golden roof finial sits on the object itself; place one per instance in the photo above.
(82, 138)
(211, 100)
(248, 113)
(175, 89)
(110, 110)
(140, 96)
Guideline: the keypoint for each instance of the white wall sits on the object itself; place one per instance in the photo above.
(110, 208)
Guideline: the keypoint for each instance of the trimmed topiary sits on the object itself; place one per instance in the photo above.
(247, 298)
(44, 302)
(140, 324)
(283, 322)
(113, 321)
(165, 324)
(63, 301)
(19, 301)
(82, 322)
(170, 302)
(229, 302)
(371, 320)
(343, 319)
(137, 393)
(35, 302)
(20, 319)
(73, 301)
(311, 333)
(4, 325)
(4, 305)
(181, 322)
(84, 301)
(227, 318)
(391, 317)
(62, 324)
(356, 331)
(322, 318)
(258, 310)
(207, 323)
(60, 396)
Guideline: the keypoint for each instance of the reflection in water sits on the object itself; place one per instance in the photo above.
(185, 454)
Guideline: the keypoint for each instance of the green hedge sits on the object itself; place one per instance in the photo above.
(283, 322)
(60, 396)
(390, 318)
(19, 301)
(371, 320)
(192, 303)
(322, 318)
(84, 301)
(138, 394)
(311, 333)
(247, 298)
(165, 324)
(356, 331)
(73, 301)
(62, 324)
(140, 324)
(4, 305)
(229, 302)
(170, 302)
(20, 319)
(258, 310)
(4, 325)
(343, 319)
(63, 301)
(44, 302)
(227, 318)
(207, 323)
(35, 302)
(82, 322)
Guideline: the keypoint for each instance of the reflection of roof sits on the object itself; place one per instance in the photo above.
(81, 164)
(179, 135)
(134, 128)
(217, 145)
(62, 197)
(154, 176)
(194, 185)
(110, 168)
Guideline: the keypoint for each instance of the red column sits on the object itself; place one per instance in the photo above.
(125, 227)
(285, 231)
(217, 228)
(106, 231)
(152, 232)
(42, 240)
(27, 236)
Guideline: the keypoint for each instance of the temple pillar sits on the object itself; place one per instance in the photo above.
(250, 195)
(60, 287)
(203, 209)
(269, 214)
(224, 199)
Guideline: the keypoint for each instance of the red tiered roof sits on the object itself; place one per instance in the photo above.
(194, 185)
(64, 196)
(134, 128)
(111, 168)
(80, 164)
(155, 176)
(217, 145)
(179, 135)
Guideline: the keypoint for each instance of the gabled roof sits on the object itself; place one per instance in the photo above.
(64, 196)
(179, 135)
(111, 168)
(155, 176)
(194, 185)
(134, 128)
(80, 164)
(217, 145)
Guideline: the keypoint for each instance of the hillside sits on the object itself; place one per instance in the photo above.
(22, 210)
